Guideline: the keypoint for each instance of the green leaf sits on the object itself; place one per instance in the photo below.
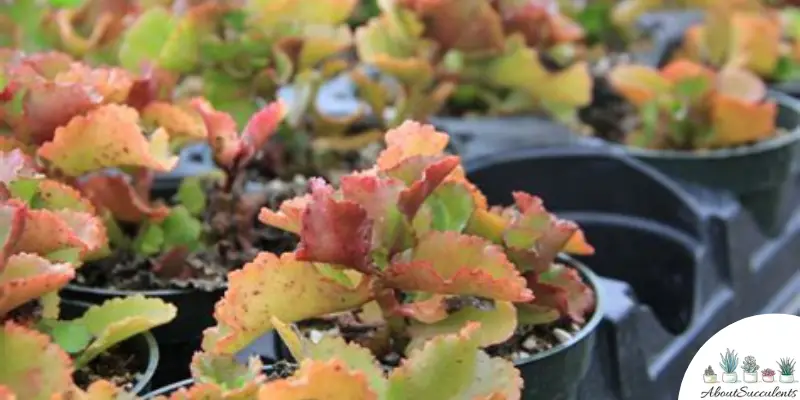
(451, 205)
(650, 117)
(25, 190)
(66, 3)
(692, 88)
(144, 40)
(70, 255)
(497, 325)
(118, 319)
(150, 240)
(72, 336)
(181, 229)
(192, 196)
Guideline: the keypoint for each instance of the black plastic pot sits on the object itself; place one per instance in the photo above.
(557, 372)
(142, 346)
(758, 175)
(174, 387)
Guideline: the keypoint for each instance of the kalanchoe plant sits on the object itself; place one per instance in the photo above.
(767, 372)
(404, 252)
(686, 106)
(749, 365)
(521, 60)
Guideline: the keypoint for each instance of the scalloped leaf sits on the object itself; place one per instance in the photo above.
(238, 380)
(47, 231)
(55, 195)
(496, 325)
(353, 356)
(27, 277)
(638, 83)
(335, 231)
(456, 356)
(39, 368)
(271, 286)
(411, 139)
(182, 123)
(106, 137)
(12, 223)
(451, 206)
(470, 26)
(563, 289)
(115, 194)
(47, 106)
(434, 172)
(320, 380)
(289, 216)
(112, 84)
(451, 263)
(98, 390)
(429, 311)
(118, 319)
(494, 379)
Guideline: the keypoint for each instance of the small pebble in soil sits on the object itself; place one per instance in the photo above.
(562, 335)
(530, 343)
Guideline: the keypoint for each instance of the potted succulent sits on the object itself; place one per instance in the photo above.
(729, 362)
(437, 61)
(750, 369)
(786, 368)
(180, 253)
(768, 375)
(399, 225)
(709, 376)
(41, 232)
(699, 125)
(332, 365)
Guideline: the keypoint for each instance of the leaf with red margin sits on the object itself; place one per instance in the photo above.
(330, 380)
(335, 231)
(112, 84)
(115, 194)
(222, 135)
(451, 263)
(379, 197)
(496, 325)
(428, 311)
(47, 105)
(12, 223)
(408, 140)
(55, 195)
(286, 288)
(182, 123)
(27, 277)
(47, 231)
(107, 137)
(262, 125)
(289, 216)
(423, 175)
(562, 288)
(39, 367)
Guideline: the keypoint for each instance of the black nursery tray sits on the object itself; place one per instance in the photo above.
(679, 262)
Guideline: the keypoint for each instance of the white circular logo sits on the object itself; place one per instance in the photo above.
(757, 357)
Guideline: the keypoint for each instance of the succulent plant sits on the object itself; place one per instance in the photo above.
(768, 372)
(786, 366)
(729, 361)
(406, 251)
(436, 54)
(749, 365)
(688, 106)
(709, 371)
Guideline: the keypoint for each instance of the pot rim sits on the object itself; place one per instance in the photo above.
(153, 355)
(759, 147)
(590, 326)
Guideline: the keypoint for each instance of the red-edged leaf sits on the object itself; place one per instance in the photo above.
(115, 194)
(408, 140)
(47, 231)
(430, 174)
(12, 222)
(428, 311)
(222, 135)
(262, 125)
(28, 277)
(47, 105)
(289, 216)
(563, 289)
(451, 263)
(335, 231)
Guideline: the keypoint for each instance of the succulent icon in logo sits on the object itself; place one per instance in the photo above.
(750, 368)
(709, 376)
(768, 375)
(786, 367)
(729, 362)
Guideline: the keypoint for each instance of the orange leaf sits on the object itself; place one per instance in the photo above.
(290, 214)
(319, 380)
(408, 140)
(739, 122)
(637, 83)
(27, 277)
(12, 223)
(108, 136)
(450, 263)
(112, 84)
(755, 42)
(39, 367)
(181, 123)
(115, 194)
(47, 231)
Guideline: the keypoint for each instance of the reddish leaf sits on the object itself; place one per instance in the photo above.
(290, 215)
(466, 25)
(263, 124)
(115, 194)
(48, 105)
(379, 197)
(450, 263)
(12, 222)
(15, 164)
(408, 140)
(411, 199)
(28, 277)
(563, 289)
(222, 135)
(47, 231)
(335, 231)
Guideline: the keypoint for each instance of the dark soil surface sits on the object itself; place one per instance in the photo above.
(530, 340)
(207, 269)
(116, 365)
